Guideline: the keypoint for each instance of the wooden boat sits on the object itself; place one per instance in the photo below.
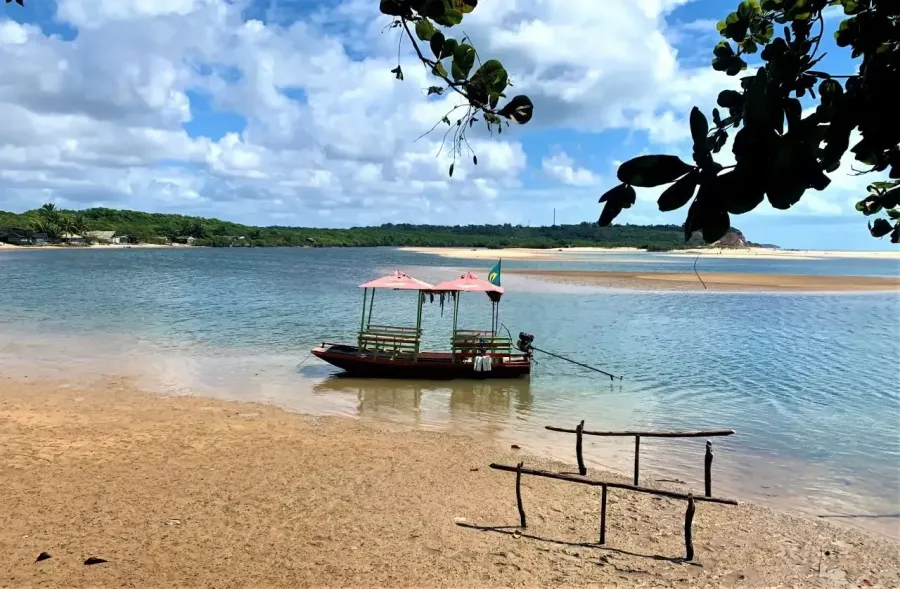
(386, 351)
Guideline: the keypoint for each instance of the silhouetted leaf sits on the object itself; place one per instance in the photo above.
(463, 60)
(738, 193)
(699, 126)
(425, 30)
(893, 213)
(715, 225)
(880, 228)
(398, 73)
(519, 109)
(616, 199)
(451, 169)
(435, 90)
(648, 171)
(730, 99)
(678, 194)
(895, 234)
(475, 159)
(437, 45)
(393, 7)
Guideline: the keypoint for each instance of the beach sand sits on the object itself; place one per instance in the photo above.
(715, 281)
(576, 254)
(194, 492)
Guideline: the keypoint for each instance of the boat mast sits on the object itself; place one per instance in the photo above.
(419, 324)
(362, 321)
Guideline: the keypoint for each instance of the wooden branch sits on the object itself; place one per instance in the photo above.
(611, 485)
(688, 522)
(603, 515)
(648, 434)
(582, 470)
(707, 474)
(522, 521)
(637, 458)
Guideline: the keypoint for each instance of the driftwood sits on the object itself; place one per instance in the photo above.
(582, 470)
(707, 469)
(522, 522)
(688, 522)
(647, 434)
(611, 485)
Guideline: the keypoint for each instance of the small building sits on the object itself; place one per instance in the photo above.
(186, 239)
(20, 236)
(100, 236)
(71, 238)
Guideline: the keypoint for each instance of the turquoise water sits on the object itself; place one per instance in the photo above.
(808, 381)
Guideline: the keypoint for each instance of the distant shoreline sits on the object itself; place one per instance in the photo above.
(716, 281)
(582, 254)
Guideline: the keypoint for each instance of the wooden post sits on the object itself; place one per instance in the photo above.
(603, 515)
(637, 458)
(582, 470)
(522, 522)
(688, 522)
(708, 469)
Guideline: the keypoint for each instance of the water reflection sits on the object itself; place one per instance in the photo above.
(485, 401)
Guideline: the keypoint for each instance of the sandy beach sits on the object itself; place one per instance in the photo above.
(575, 254)
(715, 281)
(185, 491)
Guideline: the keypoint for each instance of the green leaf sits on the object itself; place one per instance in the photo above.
(748, 46)
(398, 73)
(699, 126)
(463, 60)
(678, 194)
(437, 45)
(439, 70)
(723, 49)
(435, 90)
(519, 109)
(450, 18)
(425, 30)
(721, 25)
(464, 6)
(880, 228)
(648, 171)
(450, 46)
(893, 213)
(490, 78)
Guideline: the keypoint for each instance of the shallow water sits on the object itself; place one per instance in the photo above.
(806, 380)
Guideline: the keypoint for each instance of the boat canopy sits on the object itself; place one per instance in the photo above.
(468, 282)
(398, 281)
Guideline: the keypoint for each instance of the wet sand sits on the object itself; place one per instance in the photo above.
(716, 281)
(186, 491)
(575, 254)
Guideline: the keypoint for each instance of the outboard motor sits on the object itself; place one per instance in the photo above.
(524, 343)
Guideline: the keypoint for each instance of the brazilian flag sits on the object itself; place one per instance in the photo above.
(494, 274)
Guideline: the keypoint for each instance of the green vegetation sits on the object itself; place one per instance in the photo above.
(155, 227)
(779, 152)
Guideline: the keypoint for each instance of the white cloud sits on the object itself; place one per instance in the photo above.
(330, 135)
(562, 168)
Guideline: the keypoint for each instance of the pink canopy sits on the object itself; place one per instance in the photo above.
(470, 283)
(398, 281)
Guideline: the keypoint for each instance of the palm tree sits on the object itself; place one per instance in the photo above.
(79, 225)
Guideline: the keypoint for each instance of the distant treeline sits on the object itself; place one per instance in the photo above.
(155, 227)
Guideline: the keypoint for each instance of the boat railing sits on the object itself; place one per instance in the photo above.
(469, 343)
(390, 340)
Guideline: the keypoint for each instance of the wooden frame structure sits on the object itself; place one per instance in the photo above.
(605, 486)
(579, 432)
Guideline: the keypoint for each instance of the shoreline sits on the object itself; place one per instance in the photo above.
(582, 254)
(5, 247)
(192, 490)
(715, 281)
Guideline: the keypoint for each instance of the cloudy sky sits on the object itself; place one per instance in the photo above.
(285, 112)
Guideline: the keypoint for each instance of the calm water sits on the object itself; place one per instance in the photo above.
(807, 381)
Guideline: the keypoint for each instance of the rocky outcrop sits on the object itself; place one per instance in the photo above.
(734, 238)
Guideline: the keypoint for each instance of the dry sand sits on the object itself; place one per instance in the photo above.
(716, 281)
(194, 492)
(576, 254)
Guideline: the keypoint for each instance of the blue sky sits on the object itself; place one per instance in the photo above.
(285, 112)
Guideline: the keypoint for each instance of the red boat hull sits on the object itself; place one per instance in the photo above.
(428, 365)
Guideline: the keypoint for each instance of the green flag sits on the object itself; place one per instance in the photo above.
(494, 274)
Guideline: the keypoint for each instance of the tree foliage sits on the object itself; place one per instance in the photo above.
(155, 227)
(452, 63)
(779, 153)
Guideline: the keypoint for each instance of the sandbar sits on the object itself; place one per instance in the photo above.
(715, 281)
(587, 254)
(194, 492)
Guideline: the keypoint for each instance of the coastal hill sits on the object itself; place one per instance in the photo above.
(141, 227)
